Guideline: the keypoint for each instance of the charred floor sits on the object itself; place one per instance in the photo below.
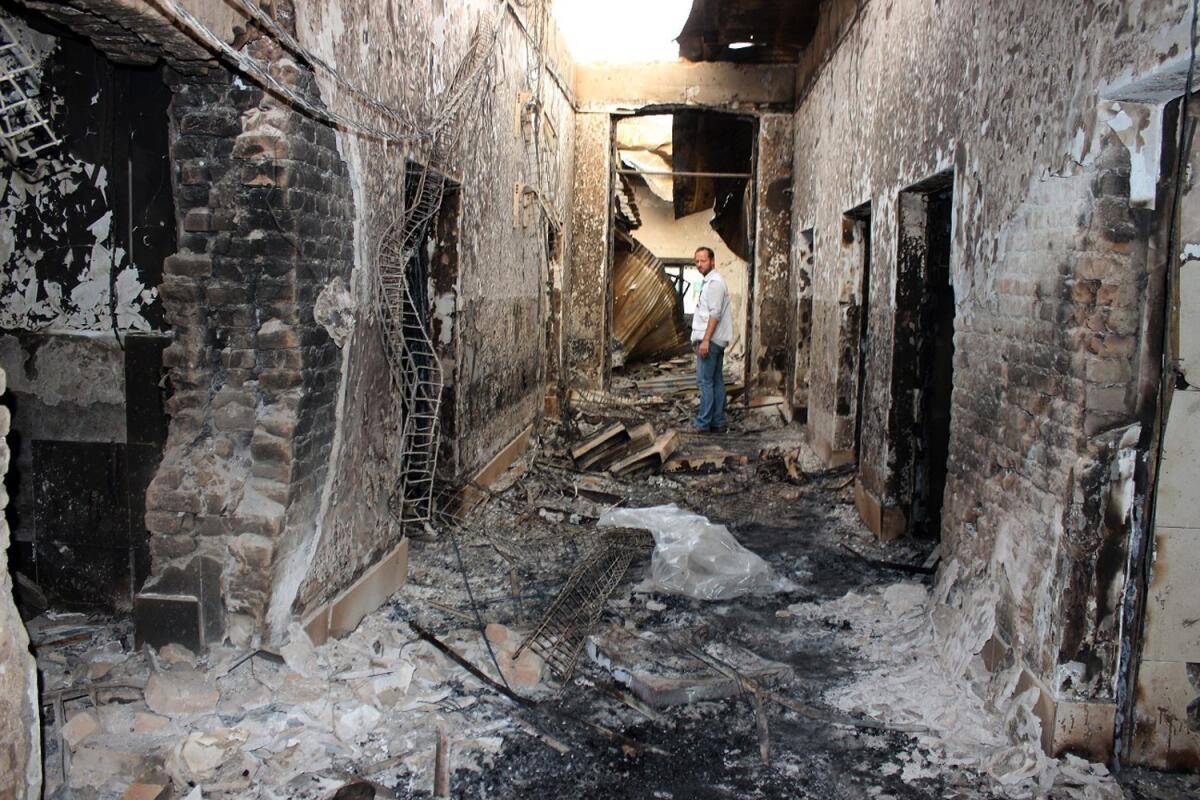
(362, 365)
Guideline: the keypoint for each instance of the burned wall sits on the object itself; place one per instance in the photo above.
(281, 454)
(1050, 270)
(512, 163)
(586, 301)
(83, 236)
(771, 315)
(266, 218)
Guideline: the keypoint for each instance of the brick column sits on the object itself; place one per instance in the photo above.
(266, 222)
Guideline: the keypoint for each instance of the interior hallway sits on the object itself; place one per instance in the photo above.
(345, 346)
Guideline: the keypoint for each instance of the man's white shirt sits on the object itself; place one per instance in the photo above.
(714, 302)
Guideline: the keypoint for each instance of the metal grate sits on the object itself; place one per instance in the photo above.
(24, 131)
(560, 636)
(415, 370)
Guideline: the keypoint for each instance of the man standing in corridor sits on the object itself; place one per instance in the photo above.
(712, 330)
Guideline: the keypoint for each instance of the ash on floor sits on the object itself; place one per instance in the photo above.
(780, 683)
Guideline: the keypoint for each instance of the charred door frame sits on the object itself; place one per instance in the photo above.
(752, 233)
(1155, 379)
(859, 218)
(918, 281)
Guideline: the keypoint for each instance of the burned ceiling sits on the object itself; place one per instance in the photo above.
(748, 31)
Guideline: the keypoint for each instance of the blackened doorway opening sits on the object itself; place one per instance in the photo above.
(924, 356)
(858, 231)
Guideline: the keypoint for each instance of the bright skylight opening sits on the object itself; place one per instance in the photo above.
(622, 31)
(740, 45)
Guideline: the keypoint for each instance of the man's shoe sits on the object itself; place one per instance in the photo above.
(721, 429)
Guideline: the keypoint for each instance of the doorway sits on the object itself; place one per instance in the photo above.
(923, 360)
(683, 179)
(937, 381)
(856, 236)
(82, 327)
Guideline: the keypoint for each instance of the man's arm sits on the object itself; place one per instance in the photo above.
(702, 348)
(714, 316)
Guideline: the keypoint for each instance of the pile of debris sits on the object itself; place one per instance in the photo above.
(303, 722)
(625, 450)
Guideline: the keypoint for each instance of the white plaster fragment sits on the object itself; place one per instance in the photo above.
(1139, 129)
(334, 311)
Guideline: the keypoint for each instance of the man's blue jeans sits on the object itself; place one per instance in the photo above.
(710, 377)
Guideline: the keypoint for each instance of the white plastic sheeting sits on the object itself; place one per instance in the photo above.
(695, 557)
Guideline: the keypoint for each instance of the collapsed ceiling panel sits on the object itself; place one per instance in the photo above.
(748, 31)
(707, 141)
(645, 144)
(647, 312)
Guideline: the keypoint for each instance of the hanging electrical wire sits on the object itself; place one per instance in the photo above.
(258, 73)
(289, 42)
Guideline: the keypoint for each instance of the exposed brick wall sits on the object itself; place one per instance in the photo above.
(1041, 372)
(266, 222)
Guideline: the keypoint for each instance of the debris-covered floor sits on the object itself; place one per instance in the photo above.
(847, 677)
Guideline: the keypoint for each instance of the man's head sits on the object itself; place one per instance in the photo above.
(705, 259)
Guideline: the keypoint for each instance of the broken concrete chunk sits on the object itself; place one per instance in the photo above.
(181, 691)
(98, 669)
(393, 686)
(525, 671)
(157, 790)
(177, 654)
(145, 722)
(80, 727)
(299, 653)
(203, 752)
(353, 721)
(497, 634)
(94, 765)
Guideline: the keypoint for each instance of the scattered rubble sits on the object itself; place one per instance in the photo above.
(817, 684)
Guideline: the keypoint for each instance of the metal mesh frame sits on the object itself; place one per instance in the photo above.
(415, 371)
(576, 610)
(24, 131)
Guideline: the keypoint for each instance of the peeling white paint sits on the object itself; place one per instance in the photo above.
(1139, 127)
(444, 307)
(31, 302)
